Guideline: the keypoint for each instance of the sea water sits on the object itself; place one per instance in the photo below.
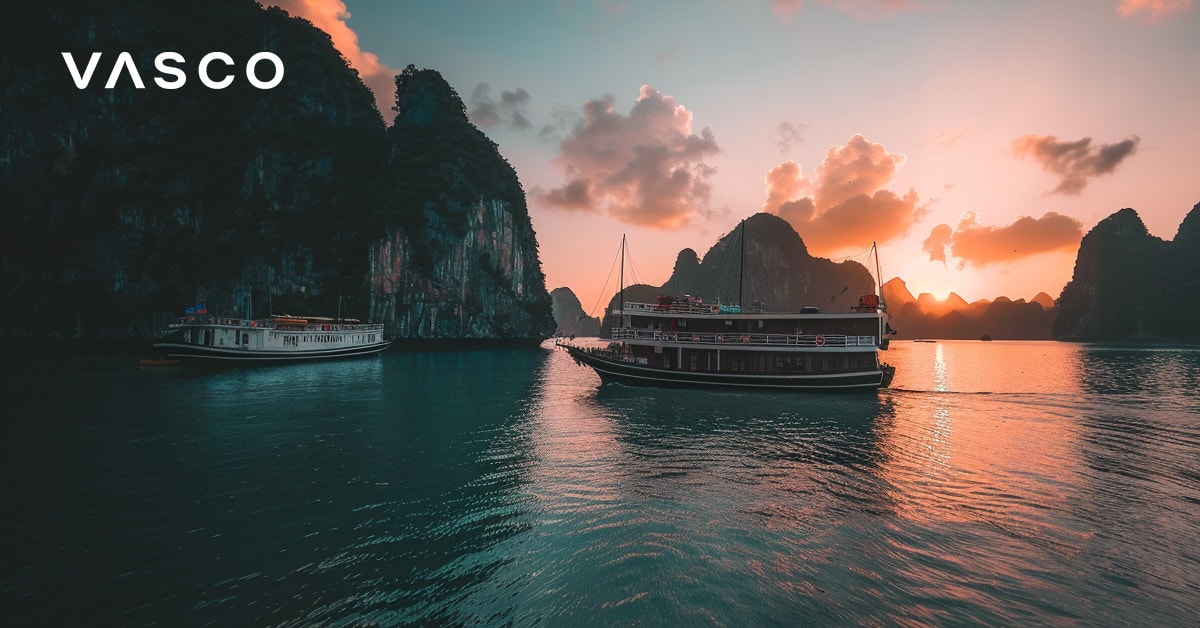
(1001, 483)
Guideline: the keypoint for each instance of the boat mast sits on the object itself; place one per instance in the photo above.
(878, 276)
(622, 274)
(742, 267)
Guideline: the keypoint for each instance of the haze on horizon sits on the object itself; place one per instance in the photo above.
(975, 142)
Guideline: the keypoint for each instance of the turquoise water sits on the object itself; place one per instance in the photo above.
(1000, 483)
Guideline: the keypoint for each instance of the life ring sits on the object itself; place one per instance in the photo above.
(720, 338)
(254, 323)
(745, 338)
(819, 340)
(695, 337)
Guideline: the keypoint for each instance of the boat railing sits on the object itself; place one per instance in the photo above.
(676, 308)
(272, 324)
(757, 339)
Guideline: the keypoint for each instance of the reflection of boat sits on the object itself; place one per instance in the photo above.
(160, 361)
(682, 341)
(278, 338)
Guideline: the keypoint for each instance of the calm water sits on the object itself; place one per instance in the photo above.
(996, 484)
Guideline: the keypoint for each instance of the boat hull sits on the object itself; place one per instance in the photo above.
(195, 353)
(616, 371)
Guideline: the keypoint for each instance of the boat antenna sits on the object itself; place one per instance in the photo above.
(339, 308)
(622, 274)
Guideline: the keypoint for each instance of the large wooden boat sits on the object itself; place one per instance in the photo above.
(684, 342)
(277, 338)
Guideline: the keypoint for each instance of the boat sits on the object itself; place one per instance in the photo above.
(278, 338)
(685, 342)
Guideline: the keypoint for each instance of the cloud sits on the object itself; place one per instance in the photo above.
(979, 245)
(785, 10)
(789, 134)
(486, 112)
(330, 16)
(1156, 8)
(1075, 162)
(843, 204)
(645, 168)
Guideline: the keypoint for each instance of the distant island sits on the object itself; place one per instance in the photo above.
(122, 206)
(569, 317)
(999, 319)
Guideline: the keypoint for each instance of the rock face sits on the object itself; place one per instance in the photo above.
(572, 320)
(778, 272)
(1001, 319)
(122, 205)
(458, 257)
(1130, 285)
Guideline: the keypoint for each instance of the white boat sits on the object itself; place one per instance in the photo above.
(684, 342)
(278, 338)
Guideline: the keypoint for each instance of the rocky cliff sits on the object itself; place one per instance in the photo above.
(771, 267)
(124, 204)
(1131, 285)
(569, 315)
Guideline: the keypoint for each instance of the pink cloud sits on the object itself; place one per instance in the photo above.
(330, 16)
(979, 245)
(645, 168)
(843, 204)
(1156, 8)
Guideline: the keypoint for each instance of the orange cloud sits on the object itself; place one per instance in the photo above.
(843, 204)
(1076, 162)
(330, 16)
(647, 168)
(979, 245)
(1155, 8)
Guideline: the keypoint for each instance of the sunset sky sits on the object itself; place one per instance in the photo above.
(975, 141)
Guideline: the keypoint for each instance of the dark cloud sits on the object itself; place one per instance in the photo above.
(789, 134)
(1074, 162)
(979, 245)
(644, 168)
(843, 204)
(488, 113)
